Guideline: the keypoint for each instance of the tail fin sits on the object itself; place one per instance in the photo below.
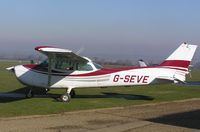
(181, 57)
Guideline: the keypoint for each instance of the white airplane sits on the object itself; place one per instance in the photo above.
(67, 70)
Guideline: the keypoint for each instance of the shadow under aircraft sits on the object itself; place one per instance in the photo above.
(18, 94)
(117, 95)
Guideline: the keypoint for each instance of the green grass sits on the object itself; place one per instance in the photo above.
(90, 98)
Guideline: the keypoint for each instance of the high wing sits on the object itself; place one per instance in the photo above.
(58, 52)
(52, 53)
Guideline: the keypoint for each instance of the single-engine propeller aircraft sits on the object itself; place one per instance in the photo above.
(67, 70)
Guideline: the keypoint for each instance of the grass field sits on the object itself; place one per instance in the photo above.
(87, 98)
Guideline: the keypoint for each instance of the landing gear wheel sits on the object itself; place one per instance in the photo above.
(29, 94)
(65, 98)
(72, 93)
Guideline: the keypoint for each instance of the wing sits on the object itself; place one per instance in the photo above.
(58, 52)
(53, 53)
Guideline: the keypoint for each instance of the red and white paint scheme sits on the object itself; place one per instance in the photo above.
(65, 69)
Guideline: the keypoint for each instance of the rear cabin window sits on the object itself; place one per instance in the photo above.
(97, 66)
(84, 67)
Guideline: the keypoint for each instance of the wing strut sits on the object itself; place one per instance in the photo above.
(49, 70)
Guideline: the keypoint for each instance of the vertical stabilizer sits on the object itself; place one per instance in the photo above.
(181, 57)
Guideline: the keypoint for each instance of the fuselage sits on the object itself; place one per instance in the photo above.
(33, 75)
(64, 69)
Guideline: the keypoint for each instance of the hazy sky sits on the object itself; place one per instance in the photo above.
(120, 28)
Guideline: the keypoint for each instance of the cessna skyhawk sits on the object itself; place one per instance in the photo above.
(67, 70)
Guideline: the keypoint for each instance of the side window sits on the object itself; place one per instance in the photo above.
(84, 67)
(97, 66)
(64, 64)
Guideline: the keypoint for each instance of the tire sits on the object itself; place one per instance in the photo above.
(65, 98)
(72, 93)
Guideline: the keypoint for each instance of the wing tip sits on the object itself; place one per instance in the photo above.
(38, 48)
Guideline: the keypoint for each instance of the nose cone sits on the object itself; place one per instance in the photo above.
(12, 69)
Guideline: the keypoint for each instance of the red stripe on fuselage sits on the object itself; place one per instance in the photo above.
(31, 66)
(103, 71)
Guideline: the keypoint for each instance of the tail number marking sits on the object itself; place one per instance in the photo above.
(131, 78)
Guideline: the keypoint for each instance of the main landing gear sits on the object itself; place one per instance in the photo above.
(70, 93)
(29, 93)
